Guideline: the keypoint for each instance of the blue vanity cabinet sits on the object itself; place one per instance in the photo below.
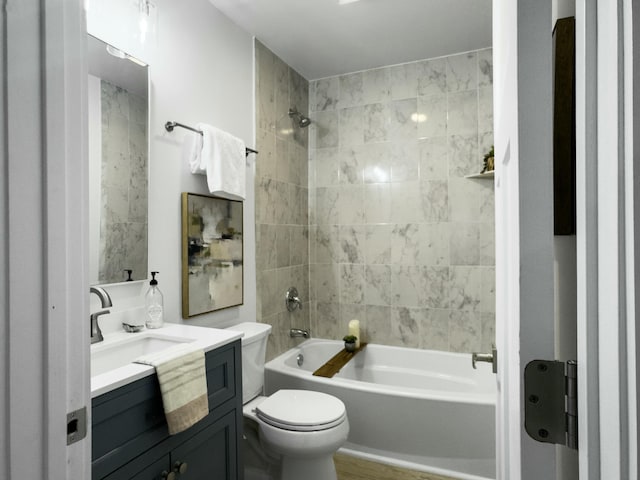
(207, 455)
(131, 441)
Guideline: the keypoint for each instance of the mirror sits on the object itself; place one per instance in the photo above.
(118, 164)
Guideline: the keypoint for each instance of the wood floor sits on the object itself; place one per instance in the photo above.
(352, 468)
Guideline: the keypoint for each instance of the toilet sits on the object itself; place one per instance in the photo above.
(297, 431)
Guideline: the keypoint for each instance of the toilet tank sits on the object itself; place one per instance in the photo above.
(254, 354)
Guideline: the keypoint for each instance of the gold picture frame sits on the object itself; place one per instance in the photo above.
(212, 254)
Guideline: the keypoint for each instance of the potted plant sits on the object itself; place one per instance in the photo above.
(489, 161)
(350, 343)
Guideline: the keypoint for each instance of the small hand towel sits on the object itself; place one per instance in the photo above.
(183, 384)
(222, 160)
(192, 151)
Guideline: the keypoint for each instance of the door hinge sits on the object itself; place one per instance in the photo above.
(76, 425)
(551, 402)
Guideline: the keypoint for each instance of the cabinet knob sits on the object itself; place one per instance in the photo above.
(180, 467)
(168, 475)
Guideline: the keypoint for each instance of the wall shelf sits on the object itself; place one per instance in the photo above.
(481, 175)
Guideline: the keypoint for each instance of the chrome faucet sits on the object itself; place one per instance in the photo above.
(298, 332)
(105, 300)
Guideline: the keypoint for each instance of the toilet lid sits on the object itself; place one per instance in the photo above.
(301, 410)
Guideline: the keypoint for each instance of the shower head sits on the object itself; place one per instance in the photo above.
(303, 122)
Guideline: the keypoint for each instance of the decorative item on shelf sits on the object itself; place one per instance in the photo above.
(354, 330)
(350, 343)
(488, 161)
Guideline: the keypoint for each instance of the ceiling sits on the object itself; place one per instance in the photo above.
(322, 38)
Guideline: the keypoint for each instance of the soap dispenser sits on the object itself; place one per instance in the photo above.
(153, 304)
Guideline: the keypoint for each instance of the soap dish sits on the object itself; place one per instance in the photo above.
(132, 328)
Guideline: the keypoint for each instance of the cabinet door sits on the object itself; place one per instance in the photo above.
(211, 453)
(143, 468)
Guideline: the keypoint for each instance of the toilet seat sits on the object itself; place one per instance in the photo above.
(301, 410)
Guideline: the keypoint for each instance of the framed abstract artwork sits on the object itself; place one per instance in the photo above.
(212, 254)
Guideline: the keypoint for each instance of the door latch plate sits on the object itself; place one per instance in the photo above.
(76, 425)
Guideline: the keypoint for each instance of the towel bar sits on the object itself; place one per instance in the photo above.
(169, 126)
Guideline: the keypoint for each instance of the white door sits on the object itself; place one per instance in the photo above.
(524, 223)
(44, 346)
(606, 263)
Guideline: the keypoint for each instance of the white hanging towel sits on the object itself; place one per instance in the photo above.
(192, 152)
(222, 160)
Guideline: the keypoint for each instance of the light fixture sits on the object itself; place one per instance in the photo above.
(146, 18)
(116, 52)
(418, 117)
(143, 22)
(344, 2)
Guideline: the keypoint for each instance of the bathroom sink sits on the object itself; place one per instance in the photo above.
(112, 359)
(122, 353)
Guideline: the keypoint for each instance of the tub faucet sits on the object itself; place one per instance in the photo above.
(105, 300)
(298, 332)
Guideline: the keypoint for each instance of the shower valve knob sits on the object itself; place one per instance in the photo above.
(291, 299)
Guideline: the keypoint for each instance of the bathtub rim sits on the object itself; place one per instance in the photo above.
(278, 364)
(348, 449)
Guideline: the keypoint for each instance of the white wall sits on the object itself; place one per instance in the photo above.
(201, 70)
(562, 9)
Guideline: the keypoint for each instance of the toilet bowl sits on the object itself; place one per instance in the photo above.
(303, 429)
(299, 429)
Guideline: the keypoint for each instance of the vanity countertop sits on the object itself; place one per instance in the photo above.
(105, 381)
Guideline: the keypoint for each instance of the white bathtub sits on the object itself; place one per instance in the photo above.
(419, 409)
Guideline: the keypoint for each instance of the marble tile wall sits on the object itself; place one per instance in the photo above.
(124, 184)
(282, 222)
(399, 238)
